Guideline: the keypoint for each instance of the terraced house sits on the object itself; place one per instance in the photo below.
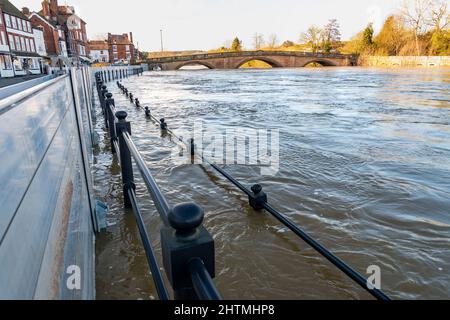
(54, 37)
(121, 48)
(69, 36)
(18, 53)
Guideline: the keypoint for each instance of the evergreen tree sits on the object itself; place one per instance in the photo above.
(368, 37)
(236, 45)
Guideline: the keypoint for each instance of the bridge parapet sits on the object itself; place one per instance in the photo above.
(239, 54)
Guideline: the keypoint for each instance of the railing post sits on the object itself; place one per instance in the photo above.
(131, 98)
(259, 198)
(163, 124)
(111, 120)
(103, 104)
(147, 112)
(125, 156)
(185, 240)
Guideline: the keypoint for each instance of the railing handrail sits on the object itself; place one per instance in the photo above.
(158, 197)
(154, 267)
(202, 282)
(187, 247)
(337, 262)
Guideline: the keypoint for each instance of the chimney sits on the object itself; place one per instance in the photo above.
(131, 37)
(46, 9)
(26, 11)
(54, 9)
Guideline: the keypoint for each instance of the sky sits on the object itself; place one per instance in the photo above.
(209, 24)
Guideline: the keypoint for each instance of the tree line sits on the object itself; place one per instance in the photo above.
(420, 27)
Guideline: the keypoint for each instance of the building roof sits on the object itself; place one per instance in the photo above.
(98, 45)
(49, 22)
(119, 39)
(9, 8)
(64, 13)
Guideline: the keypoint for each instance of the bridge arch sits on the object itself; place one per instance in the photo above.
(193, 63)
(272, 62)
(322, 62)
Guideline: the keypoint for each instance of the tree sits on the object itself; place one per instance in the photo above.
(258, 41)
(392, 37)
(287, 44)
(273, 41)
(414, 12)
(440, 43)
(439, 17)
(367, 39)
(312, 37)
(331, 35)
(236, 45)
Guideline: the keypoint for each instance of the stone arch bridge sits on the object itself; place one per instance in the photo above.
(234, 60)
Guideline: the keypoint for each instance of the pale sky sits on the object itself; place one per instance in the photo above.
(208, 24)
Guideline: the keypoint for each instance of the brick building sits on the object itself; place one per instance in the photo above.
(99, 51)
(18, 54)
(71, 30)
(54, 35)
(121, 48)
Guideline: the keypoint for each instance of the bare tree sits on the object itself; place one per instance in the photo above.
(312, 37)
(415, 14)
(258, 41)
(273, 41)
(331, 35)
(439, 16)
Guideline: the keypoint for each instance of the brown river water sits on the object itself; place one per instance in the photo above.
(364, 169)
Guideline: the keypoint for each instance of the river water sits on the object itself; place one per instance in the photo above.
(364, 168)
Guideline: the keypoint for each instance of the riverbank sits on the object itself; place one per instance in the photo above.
(405, 61)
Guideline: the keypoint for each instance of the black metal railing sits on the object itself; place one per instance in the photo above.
(259, 201)
(187, 247)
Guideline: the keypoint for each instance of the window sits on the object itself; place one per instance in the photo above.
(60, 33)
(5, 62)
(18, 47)
(114, 47)
(14, 22)
(127, 48)
(33, 46)
(29, 27)
(11, 42)
(8, 20)
(27, 44)
(3, 35)
(116, 57)
(34, 64)
(18, 64)
(25, 26)
(1, 20)
(19, 24)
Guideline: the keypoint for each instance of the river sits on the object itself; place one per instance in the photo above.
(364, 168)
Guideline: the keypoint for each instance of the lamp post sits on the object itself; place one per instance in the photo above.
(162, 45)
